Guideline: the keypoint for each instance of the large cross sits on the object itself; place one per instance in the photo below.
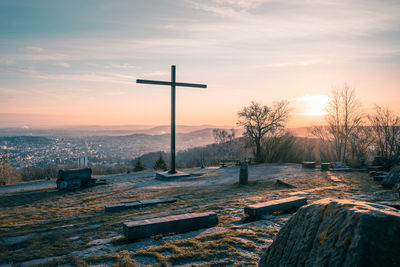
(173, 84)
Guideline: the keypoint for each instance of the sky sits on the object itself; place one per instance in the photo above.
(76, 62)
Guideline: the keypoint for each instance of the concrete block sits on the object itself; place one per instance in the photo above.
(138, 204)
(259, 209)
(308, 164)
(148, 202)
(168, 176)
(379, 178)
(171, 224)
(123, 206)
(133, 205)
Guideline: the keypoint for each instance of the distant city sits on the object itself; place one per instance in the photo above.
(85, 147)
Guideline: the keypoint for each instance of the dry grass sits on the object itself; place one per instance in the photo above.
(63, 224)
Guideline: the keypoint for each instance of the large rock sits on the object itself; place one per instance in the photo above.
(392, 177)
(337, 232)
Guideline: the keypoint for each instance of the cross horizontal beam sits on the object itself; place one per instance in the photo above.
(197, 85)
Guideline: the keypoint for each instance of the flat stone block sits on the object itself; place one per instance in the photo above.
(308, 164)
(115, 207)
(325, 166)
(148, 202)
(138, 204)
(259, 209)
(171, 224)
(379, 178)
(133, 205)
(167, 176)
(341, 169)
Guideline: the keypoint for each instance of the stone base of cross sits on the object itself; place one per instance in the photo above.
(173, 85)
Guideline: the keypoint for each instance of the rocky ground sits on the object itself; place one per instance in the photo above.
(41, 226)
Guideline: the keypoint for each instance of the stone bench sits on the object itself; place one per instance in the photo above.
(308, 164)
(171, 224)
(138, 204)
(256, 210)
(229, 162)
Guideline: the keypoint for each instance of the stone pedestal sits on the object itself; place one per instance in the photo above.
(244, 173)
(168, 176)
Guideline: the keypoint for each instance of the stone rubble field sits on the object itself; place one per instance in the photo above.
(40, 226)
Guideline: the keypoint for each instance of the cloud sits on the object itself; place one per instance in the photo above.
(153, 74)
(121, 66)
(100, 77)
(226, 8)
(62, 64)
(33, 48)
(304, 63)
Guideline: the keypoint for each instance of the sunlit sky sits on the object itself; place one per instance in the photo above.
(76, 62)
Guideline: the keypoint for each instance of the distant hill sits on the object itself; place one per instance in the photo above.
(25, 140)
(82, 131)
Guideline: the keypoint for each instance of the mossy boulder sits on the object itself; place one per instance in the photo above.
(337, 232)
(392, 177)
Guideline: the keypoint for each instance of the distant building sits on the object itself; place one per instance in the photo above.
(83, 161)
(59, 161)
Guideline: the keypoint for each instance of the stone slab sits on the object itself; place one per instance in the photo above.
(341, 169)
(256, 210)
(308, 164)
(379, 178)
(148, 202)
(138, 204)
(168, 176)
(123, 206)
(171, 224)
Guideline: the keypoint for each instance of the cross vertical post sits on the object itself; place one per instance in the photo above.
(173, 85)
(173, 79)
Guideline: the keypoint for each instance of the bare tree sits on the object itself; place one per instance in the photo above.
(259, 120)
(223, 136)
(224, 139)
(360, 143)
(8, 174)
(343, 118)
(325, 146)
(385, 131)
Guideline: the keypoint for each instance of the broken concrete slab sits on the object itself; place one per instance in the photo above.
(256, 210)
(171, 224)
(138, 204)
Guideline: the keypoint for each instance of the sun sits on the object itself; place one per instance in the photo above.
(313, 105)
